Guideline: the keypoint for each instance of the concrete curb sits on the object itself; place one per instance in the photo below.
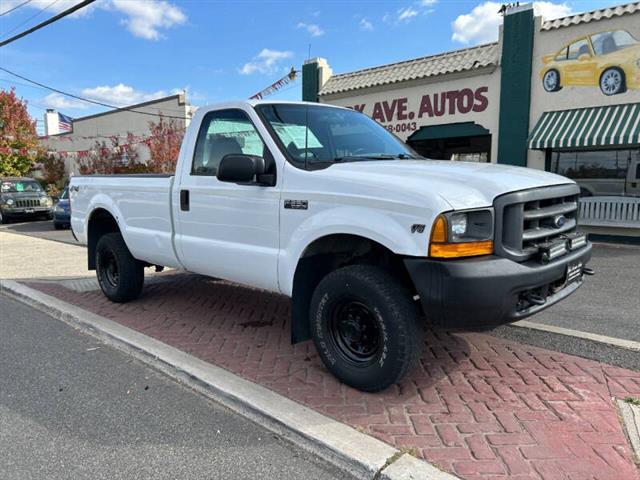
(363, 456)
(593, 337)
(631, 419)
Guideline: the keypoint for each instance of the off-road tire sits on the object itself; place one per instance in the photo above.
(111, 251)
(393, 313)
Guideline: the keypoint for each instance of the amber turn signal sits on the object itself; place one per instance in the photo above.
(466, 249)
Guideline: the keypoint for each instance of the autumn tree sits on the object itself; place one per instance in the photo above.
(53, 171)
(164, 145)
(112, 157)
(19, 147)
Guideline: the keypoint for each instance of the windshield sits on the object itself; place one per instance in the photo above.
(608, 42)
(315, 135)
(13, 186)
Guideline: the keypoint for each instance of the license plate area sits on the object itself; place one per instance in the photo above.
(574, 272)
(29, 210)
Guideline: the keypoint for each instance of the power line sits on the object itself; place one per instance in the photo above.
(36, 15)
(95, 102)
(55, 18)
(15, 8)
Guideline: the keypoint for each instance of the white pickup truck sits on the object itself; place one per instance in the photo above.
(323, 205)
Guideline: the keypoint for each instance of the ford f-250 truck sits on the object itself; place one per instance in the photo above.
(323, 205)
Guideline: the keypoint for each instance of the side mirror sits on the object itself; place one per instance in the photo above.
(239, 168)
(584, 57)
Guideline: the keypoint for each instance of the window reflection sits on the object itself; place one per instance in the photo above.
(600, 172)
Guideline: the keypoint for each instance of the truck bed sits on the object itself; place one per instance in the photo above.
(142, 207)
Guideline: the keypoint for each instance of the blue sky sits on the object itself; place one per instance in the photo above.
(128, 51)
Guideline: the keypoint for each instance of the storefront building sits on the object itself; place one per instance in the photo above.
(560, 95)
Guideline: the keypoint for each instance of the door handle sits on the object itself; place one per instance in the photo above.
(184, 200)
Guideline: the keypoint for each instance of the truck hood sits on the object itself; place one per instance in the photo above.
(460, 184)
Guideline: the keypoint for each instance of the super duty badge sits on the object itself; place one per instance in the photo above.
(296, 204)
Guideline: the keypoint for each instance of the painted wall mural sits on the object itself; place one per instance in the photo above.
(608, 60)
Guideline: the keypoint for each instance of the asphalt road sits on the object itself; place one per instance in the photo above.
(608, 303)
(41, 229)
(71, 407)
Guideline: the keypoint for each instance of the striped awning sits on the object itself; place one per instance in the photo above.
(614, 125)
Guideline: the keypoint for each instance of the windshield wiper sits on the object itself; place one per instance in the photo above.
(381, 156)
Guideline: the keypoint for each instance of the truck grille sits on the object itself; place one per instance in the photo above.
(531, 220)
(28, 203)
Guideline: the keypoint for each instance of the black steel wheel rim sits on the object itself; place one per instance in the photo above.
(356, 332)
(109, 268)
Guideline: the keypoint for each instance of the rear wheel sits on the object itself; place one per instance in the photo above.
(366, 327)
(551, 81)
(120, 276)
(612, 81)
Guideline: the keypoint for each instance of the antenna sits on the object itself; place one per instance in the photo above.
(309, 53)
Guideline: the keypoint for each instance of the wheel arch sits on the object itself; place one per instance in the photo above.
(101, 221)
(325, 255)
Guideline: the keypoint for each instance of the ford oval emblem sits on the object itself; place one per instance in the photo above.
(559, 221)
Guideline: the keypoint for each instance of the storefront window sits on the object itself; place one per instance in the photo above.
(600, 172)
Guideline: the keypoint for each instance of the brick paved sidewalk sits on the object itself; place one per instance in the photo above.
(478, 406)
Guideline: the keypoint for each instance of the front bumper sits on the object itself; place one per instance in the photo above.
(25, 211)
(490, 290)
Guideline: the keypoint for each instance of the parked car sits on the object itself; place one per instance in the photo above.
(23, 198)
(322, 204)
(61, 212)
(610, 60)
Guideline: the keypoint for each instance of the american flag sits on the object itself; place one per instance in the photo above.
(65, 124)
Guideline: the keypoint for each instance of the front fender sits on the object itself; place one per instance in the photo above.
(393, 231)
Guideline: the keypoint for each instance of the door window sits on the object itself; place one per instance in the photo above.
(581, 47)
(222, 133)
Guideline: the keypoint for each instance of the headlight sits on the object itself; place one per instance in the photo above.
(9, 201)
(46, 201)
(59, 209)
(462, 234)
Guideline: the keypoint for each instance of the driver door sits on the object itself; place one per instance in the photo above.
(580, 68)
(228, 230)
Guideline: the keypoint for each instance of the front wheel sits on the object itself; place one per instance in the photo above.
(612, 82)
(120, 276)
(366, 327)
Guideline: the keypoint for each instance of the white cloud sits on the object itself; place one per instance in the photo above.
(481, 25)
(311, 28)
(365, 25)
(267, 62)
(60, 102)
(120, 95)
(143, 18)
(551, 11)
(406, 14)
(146, 18)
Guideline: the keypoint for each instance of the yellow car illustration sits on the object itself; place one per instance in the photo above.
(610, 60)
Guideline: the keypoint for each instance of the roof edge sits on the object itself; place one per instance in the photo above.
(181, 97)
(577, 18)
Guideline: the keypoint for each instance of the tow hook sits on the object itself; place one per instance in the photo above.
(535, 298)
(588, 271)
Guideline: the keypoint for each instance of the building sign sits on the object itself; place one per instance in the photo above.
(402, 115)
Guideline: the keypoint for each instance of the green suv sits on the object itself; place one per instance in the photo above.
(23, 198)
